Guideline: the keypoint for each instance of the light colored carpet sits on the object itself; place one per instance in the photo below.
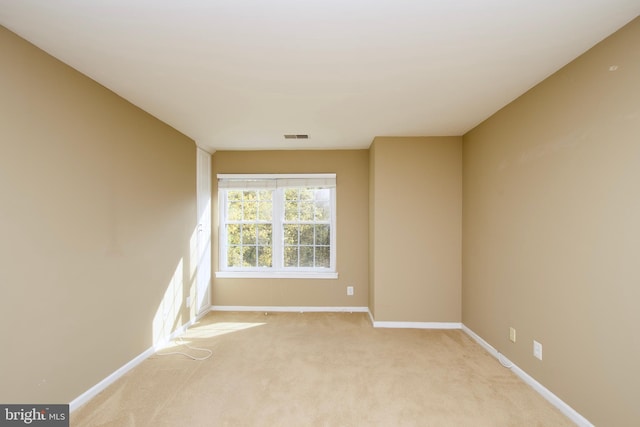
(319, 369)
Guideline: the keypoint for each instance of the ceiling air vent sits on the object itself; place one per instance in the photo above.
(293, 136)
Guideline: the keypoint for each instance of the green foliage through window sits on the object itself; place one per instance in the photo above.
(307, 228)
(249, 230)
(291, 223)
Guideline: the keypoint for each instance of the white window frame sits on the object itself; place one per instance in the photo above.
(277, 182)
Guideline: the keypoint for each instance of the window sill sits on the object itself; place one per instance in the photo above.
(274, 275)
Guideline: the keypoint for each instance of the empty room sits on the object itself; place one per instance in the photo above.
(288, 213)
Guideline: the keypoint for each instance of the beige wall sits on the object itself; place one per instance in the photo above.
(97, 211)
(352, 175)
(551, 230)
(416, 206)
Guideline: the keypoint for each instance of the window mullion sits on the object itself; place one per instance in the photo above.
(277, 227)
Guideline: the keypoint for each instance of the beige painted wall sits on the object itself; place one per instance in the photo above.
(352, 175)
(417, 208)
(97, 211)
(552, 227)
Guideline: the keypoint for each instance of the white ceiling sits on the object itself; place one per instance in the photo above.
(238, 74)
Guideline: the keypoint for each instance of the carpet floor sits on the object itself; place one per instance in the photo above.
(318, 369)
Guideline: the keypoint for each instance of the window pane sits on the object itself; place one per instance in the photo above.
(306, 256)
(291, 194)
(322, 211)
(233, 234)
(291, 234)
(264, 256)
(306, 194)
(323, 235)
(249, 256)
(291, 210)
(234, 256)
(265, 195)
(234, 195)
(323, 194)
(250, 211)
(322, 256)
(306, 234)
(265, 211)
(311, 209)
(264, 234)
(290, 256)
(249, 234)
(306, 211)
(235, 211)
(249, 195)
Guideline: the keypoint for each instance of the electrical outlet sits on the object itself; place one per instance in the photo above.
(537, 349)
(512, 335)
(350, 290)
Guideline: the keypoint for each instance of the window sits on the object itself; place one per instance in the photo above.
(277, 225)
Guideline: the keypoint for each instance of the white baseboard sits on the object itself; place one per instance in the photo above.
(413, 325)
(567, 410)
(373, 321)
(284, 309)
(417, 325)
(376, 324)
(93, 391)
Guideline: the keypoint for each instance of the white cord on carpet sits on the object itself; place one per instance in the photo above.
(188, 355)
